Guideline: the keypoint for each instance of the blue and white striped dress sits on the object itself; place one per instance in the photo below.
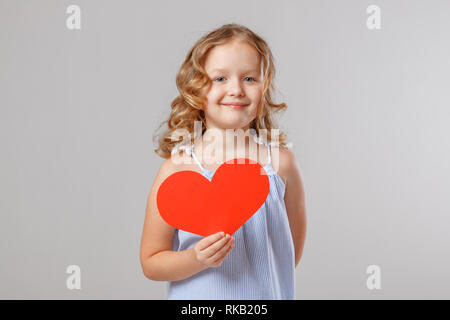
(260, 266)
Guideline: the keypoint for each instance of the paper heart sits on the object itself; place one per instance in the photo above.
(188, 201)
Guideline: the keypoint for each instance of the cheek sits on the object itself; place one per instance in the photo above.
(256, 93)
(212, 103)
(214, 96)
(257, 98)
(254, 112)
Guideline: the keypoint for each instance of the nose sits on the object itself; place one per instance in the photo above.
(235, 88)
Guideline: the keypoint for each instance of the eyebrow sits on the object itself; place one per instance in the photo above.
(223, 70)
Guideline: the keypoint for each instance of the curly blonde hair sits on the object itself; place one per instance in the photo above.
(192, 79)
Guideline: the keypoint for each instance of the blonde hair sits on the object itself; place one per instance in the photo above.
(192, 79)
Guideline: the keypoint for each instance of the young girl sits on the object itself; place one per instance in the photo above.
(226, 83)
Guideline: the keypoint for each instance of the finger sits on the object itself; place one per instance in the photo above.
(212, 249)
(207, 241)
(222, 251)
(225, 251)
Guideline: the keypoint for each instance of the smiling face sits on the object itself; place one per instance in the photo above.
(235, 72)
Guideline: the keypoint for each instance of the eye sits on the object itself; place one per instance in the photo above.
(252, 79)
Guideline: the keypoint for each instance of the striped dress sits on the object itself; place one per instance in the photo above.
(261, 264)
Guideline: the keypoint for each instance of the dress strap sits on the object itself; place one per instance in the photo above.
(195, 158)
(268, 154)
(260, 141)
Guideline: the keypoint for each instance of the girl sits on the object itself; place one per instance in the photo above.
(226, 83)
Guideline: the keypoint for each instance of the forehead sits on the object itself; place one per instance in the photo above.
(231, 56)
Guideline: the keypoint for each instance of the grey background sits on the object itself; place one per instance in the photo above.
(368, 114)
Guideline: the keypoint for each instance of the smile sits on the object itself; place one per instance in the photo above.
(234, 106)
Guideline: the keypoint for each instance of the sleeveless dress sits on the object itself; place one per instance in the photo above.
(259, 267)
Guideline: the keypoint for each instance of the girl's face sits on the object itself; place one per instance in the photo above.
(235, 72)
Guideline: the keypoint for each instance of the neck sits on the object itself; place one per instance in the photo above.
(218, 145)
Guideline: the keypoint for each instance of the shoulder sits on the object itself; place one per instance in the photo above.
(284, 160)
(167, 167)
(176, 163)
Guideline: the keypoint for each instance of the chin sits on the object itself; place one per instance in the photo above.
(234, 125)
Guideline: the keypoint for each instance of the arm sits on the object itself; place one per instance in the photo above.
(172, 265)
(159, 262)
(294, 199)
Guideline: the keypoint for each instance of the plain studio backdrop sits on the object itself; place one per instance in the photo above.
(368, 113)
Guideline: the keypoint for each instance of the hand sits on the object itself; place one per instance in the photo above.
(213, 249)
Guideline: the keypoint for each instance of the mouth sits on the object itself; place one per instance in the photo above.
(235, 106)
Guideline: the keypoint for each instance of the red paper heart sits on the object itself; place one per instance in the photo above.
(188, 201)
